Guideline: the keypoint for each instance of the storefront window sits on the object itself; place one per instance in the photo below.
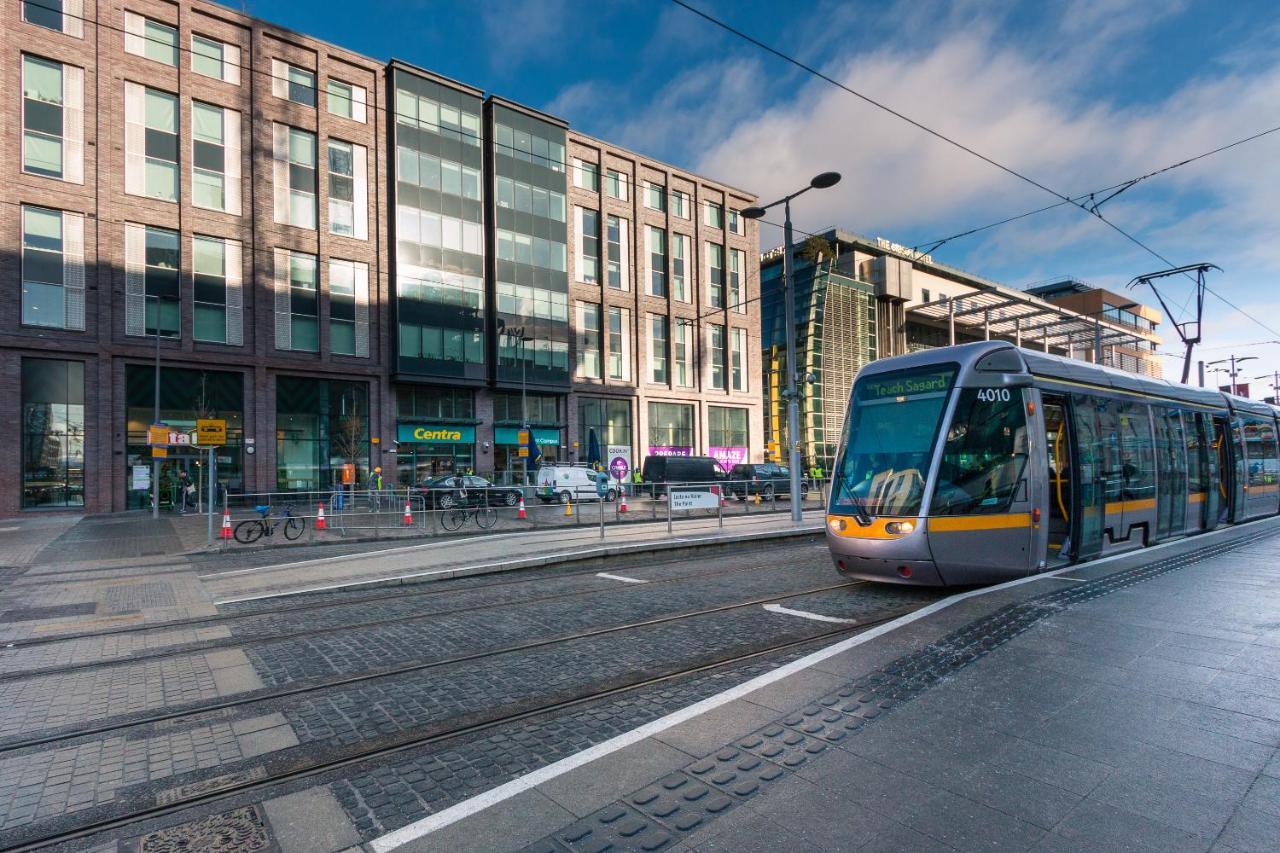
(185, 396)
(52, 433)
(436, 433)
(321, 425)
(670, 429)
(727, 435)
(611, 422)
(543, 416)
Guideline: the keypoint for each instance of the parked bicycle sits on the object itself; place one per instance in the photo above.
(484, 517)
(255, 528)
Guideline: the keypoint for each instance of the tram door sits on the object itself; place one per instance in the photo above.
(1060, 475)
(1204, 493)
(1088, 509)
(1225, 483)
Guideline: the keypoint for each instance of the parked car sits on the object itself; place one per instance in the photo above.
(452, 490)
(657, 471)
(765, 479)
(563, 483)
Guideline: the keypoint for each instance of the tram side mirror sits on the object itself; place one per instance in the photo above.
(1017, 380)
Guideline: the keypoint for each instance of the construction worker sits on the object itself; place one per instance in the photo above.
(375, 490)
(638, 480)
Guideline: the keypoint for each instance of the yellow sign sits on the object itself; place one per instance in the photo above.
(159, 452)
(523, 452)
(440, 434)
(158, 435)
(211, 432)
(522, 438)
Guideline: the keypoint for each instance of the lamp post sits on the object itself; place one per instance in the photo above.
(1273, 381)
(819, 182)
(1233, 372)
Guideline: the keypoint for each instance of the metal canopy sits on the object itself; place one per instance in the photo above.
(1010, 314)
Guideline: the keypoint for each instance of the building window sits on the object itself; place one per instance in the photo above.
(715, 275)
(715, 348)
(670, 428)
(321, 425)
(658, 349)
(611, 421)
(737, 269)
(618, 253)
(345, 99)
(64, 16)
(524, 198)
(348, 191)
(713, 215)
(737, 223)
(586, 175)
(52, 268)
(529, 147)
(152, 39)
(295, 176)
(211, 155)
(514, 408)
(444, 176)
(348, 308)
(657, 262)
(924, 294)
(681, 353)
(216, 59)
(52, 119)
(218, 293)
(588, 260)
(619, 344)
(297, 301)
(447, 121)
(436, 403)
(293, 83)
(738, 359)
(655, 196)
(52, 433)
(679, 267)
(680, 204)
(532, 251)
(151, 142)
(159, 264)
(588, 340)
(726, 427)
(615, 184)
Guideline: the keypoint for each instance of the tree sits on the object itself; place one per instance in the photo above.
(816, 250)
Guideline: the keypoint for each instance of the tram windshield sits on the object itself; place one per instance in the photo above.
(890, 432)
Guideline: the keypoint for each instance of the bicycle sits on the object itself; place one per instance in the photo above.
(255, 528)
(484, 516)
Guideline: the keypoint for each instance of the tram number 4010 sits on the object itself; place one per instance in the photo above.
(994, 395)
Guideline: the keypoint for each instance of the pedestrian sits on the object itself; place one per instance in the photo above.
(186, 491)
(638, 480)
(375, 490)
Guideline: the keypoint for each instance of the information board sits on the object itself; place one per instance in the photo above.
(694, 500)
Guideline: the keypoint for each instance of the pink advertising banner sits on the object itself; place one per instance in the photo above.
(727, 457)
(670, 450)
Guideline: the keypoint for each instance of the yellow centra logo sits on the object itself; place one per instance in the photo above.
(425, 434)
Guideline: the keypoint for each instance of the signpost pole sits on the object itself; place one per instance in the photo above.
(209, 476)
(601, 502)
(668, 510)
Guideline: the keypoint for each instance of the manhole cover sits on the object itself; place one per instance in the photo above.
(138, 596)
(205, 786)
(240, 830)
(57, 611)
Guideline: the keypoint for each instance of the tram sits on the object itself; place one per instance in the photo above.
(983, 462)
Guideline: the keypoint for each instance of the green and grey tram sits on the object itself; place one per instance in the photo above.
(983, 462)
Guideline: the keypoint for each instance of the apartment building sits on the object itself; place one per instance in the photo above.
(354, 263)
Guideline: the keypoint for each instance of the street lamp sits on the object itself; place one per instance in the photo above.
(819, 182)
(1233, 372)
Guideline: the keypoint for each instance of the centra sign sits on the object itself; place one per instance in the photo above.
(436, 433)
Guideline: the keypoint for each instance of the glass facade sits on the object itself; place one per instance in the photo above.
(542, 412)
(670, 429)
(321, 425)
(438, 230)
(530, 266)
(611, 420)
(52, 433)
(436, 429)
(185, 396)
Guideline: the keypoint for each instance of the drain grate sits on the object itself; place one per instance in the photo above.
(123, 598)
(56, 611)
(240, 830)
(206, 786)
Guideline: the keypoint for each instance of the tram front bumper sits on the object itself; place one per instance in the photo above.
(914, 572)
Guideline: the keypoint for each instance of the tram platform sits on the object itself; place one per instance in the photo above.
(1128, 704)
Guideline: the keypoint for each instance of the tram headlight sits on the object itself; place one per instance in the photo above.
(838, 525)
(899, 527)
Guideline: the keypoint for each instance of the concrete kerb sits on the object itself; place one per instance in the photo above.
(586, 554)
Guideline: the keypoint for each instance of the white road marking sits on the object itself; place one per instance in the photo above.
(480, 802)
(619, 578)
(9, 529)
(1077, 580)
(805, 614)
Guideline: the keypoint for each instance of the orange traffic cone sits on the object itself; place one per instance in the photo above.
(568, 509)
(521, 514)
(226, 523)
(622, 507)
(408, 513)
(320, 525)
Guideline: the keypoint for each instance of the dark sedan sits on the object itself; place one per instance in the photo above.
(454, 490)
(766, 480)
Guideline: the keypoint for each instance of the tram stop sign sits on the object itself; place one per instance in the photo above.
(211, 432)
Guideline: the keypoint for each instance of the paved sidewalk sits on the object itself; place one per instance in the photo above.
(1130, 704)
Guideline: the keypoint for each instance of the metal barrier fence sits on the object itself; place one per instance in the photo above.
(414, 512)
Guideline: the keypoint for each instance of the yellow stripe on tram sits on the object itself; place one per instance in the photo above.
(958, 523)
(1131, 506)
(849, 528)
(1196, 498)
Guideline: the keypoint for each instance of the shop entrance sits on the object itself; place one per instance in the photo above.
(420, 462)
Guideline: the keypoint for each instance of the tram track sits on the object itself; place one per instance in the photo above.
(80, 731)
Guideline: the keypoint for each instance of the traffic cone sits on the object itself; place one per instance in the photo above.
(226, 523)
(757, 499)
(408, 514)
(320, 525)
(622, 507)
(521, 514)
(568, 509)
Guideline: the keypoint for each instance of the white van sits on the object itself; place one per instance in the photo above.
(564, 483)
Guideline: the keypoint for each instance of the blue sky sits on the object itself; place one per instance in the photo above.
(1078, 95)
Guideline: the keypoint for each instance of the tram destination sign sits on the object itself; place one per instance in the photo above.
(910, 385)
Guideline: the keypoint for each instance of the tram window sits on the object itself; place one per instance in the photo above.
(1260, 446)
(1136, 474)
(984, 455)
